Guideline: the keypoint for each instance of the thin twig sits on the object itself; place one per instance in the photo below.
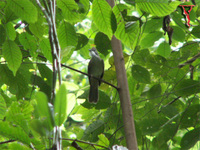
(89, 75)
(189, 61)
(5, 142)
(92, 144)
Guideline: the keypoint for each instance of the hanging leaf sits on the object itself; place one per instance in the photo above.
(102, 13)
(60, 106)
(45, 114)
(164, 49)
(10, 31)
(187, 87)
(12, 55)
(140, 74)
(157, 7)
(24, 9)
(190, 139)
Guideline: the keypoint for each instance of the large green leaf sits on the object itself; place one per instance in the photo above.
(140, 74)
(29, 43)
(149, 39)
(102, 15)
(60, 106)
(44, 111)
(190, 139)
(187, 87)
(73, 11)
(155, 91)
(196, 31)
(151, 125)
(46, 48)
(164, 49)
(127, 33)
(10, 31)
(46, 73)
(178, 34)
(93, 130)
(24, 9)
(67, 35)
(153, 24)
(15, 133)
(12, 55)
(157, 7)
(190, 117)
(103, 43)
(140, 56)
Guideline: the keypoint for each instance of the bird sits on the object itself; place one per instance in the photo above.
(95, 69)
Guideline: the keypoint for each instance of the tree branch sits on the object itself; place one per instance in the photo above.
(89, 75)
(124, 94)
(189, 61)
(5, 142)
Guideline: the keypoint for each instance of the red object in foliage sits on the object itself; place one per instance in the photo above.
(187, 13)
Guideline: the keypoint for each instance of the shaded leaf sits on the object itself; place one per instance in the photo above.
(12, 54)
(187, 87)
(190, 139)
(140, 74)
(164, 49)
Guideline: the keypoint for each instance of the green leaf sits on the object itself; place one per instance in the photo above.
(3, 107)
(16, 116)
(196, 31)
(149, 39)
(178, 34)
(140, 56)
(82, 41)
(10, 31)
(70, 106)
(46, 73)
(67, 35)
(103, 140)
(164, 50)
(190, 139)
(46, 48)
(93, 130)
(3, 34)
(29, 43)
(177, 18)
(38, 28)
(128, 37)
(190, 117)
(155, 91)
(43, 110)
(15, 133)
(12, 55)
(73, 11)
(157, 7)
(103, 103)
(189, 49)
(102, 13)
(24, 9)
(153, 25)
(187, 87)
(140, 74)
(60, 106)
(103, 43)
(151, 125)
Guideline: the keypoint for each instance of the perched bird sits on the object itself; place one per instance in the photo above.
(95, 69)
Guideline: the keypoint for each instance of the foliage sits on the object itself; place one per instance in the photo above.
(164, 80)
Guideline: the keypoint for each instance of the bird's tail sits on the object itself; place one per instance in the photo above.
(94, 93)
